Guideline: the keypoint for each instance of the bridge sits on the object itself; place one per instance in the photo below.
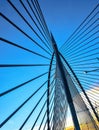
(42, 86)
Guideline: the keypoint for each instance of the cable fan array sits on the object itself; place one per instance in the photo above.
(32, 89)
(27, 67)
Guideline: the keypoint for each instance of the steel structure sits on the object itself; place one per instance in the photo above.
(44, 87)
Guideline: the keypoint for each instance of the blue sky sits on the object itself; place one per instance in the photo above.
(62, 18)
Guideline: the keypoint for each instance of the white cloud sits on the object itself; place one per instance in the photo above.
(95, 95)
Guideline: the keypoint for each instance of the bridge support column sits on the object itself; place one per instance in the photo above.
(66, 87)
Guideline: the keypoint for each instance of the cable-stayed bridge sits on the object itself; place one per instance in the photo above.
(43, 87)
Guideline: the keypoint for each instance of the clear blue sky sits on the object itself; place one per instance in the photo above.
(62, 18)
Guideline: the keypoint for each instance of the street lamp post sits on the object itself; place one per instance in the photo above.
(94, 70)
